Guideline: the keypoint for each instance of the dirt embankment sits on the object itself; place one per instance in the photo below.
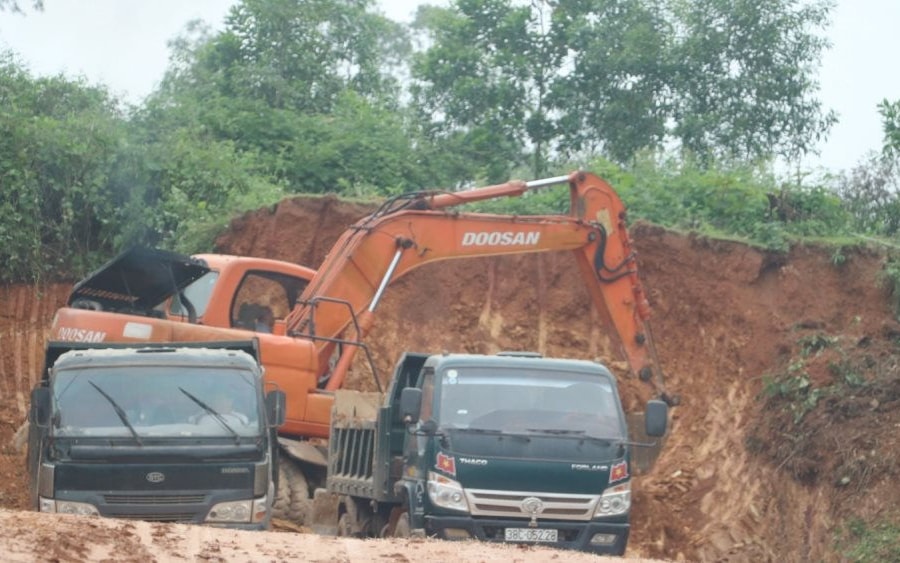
(730, 323)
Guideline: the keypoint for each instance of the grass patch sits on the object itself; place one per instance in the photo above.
(870, 542)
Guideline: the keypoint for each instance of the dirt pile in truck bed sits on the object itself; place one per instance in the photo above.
(784, 365)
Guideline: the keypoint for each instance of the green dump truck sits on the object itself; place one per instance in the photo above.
(507, 448)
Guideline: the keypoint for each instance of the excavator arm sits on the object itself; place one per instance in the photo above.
(415, 229)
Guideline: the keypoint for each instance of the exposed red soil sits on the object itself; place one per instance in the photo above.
(741, 477)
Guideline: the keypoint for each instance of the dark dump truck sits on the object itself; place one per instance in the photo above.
(166, 433)
(506, 448)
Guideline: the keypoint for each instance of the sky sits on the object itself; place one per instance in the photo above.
(123, 44)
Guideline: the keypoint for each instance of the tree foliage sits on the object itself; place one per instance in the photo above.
(871, 190)
(679, 103)
(302, 54)
(721, 78)
(871, 193)
(303, 89)
(616, 98)
(14, 6)
(890, 116)
(482, 86)
(744, 77)
(58, 143)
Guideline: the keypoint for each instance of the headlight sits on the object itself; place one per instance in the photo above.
(260, 508)
(616, 500)
(233, 511)
(446, 493)
(68, 507)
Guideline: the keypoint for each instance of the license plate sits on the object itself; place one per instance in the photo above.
(530, 534)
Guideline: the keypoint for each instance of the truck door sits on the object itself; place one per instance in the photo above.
(416, 442)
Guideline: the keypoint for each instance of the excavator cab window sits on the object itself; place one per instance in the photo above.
(197, 293)
(262, 298)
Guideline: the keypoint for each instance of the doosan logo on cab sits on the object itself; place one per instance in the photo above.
(501, 238)
(81, 335)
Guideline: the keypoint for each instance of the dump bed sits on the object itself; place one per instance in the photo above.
(365, 452)
(359, 460)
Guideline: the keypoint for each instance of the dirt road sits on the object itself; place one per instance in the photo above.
(30, 536)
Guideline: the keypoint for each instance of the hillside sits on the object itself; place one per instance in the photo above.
(784, 446)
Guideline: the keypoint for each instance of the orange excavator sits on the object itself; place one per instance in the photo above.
(321, 317)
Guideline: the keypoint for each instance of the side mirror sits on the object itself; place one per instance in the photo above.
(428, 427)
(39, 414)
(656, 418)
(275, 407)
(410, 405)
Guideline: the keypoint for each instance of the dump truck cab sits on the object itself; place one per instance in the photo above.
(159, 433)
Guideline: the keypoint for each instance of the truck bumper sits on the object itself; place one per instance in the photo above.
(192, 509)
(607, 538)
(258, 526)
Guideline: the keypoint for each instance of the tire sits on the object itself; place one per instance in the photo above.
(375, 525)
(401, 528)
(292, 501)
(345, 526)
(33, 463)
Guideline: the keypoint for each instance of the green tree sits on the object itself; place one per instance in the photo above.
(483, 83)
(614, 100)
(510, 82)
(292, 96)
(304, 91)
(302, 54)
(744, 82)
(890, 119)
(58, 140)
(871, 190)
(871, 194)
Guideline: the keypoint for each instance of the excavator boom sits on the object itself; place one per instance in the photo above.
(415, 229)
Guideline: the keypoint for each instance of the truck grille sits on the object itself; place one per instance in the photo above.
(147, 500)
(509, 503)
(181, 517)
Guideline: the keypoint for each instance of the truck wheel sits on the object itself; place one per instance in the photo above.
(292, 501)
(345, 526)
(401, 528)
(375, 525)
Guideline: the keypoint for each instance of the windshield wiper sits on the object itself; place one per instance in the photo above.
(490, 431)
(120, 412)
(581, 434)
(216, 415)
(558, 431)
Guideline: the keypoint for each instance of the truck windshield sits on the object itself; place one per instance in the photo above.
(530, 402)
(198, 293)
(156, 402)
